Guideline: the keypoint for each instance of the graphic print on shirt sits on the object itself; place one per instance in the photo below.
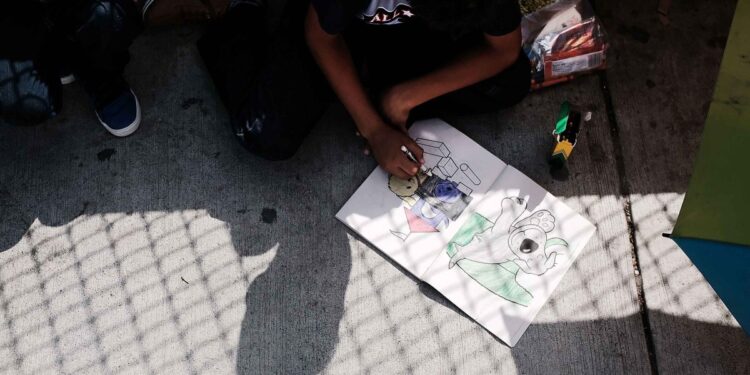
(387, 12)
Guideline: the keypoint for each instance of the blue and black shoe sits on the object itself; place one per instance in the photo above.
(122, 115)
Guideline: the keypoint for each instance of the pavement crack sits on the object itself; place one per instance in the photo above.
(628, 210)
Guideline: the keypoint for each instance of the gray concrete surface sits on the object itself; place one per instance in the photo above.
(673, 69)
(151, 254)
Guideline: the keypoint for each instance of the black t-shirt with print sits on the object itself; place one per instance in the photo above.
(504, 15)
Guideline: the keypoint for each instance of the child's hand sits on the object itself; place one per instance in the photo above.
(386, 143)
(395, 107)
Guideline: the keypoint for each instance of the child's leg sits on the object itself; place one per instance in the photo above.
(271, 87)
(101, 32)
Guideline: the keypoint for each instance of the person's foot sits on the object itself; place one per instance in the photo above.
(122, 115)
(65, 72)
(67, 79)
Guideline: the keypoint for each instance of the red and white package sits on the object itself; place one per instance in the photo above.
(562, 40)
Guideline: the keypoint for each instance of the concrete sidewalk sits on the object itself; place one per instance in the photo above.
(174, 251)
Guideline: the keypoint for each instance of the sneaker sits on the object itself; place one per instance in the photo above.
(67, 78)
(122, 115)
(65, 73)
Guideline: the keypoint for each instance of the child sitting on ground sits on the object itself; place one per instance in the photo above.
(392, 60)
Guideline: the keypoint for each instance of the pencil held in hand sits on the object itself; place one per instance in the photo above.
(412, 158)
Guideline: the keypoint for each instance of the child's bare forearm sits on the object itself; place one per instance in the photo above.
(492, 57)
(334, 59)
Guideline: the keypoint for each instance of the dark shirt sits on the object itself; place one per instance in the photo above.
(22, 29)
(335, 16)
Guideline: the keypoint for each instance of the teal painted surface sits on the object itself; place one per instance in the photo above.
(727, 268)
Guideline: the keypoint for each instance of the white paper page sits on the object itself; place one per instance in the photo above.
(515, 250)
(409, 228)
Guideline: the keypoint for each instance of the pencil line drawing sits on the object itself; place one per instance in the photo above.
(438, 157)
(470, 174)
(496, 253)
(447, 167)
(467, 190)
(436, 148)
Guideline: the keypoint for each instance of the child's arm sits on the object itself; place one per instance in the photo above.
(492, 57)
(334, 58)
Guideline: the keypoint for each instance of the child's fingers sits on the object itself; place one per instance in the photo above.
(408, 166)
(400, 173)
(415, 150)
(404, 174)
(366, 148)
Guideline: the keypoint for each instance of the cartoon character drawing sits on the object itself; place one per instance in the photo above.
(497, 253)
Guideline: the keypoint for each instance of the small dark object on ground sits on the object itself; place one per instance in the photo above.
(566, 132)
(268, 215)
(105, 154)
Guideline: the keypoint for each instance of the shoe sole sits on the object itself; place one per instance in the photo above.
(128, 130)
(68, 79)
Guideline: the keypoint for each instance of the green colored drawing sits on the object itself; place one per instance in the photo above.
(499, 279)
(474, 225)
(494, 252)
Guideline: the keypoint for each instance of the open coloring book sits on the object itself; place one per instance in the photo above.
(479, 231)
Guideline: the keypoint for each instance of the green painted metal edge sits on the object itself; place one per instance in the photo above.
(717, 204)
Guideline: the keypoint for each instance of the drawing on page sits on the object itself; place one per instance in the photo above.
(420, 217)
(438, 158)
(436, 198)
(515, 245)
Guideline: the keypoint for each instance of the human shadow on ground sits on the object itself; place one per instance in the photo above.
(184, 158)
